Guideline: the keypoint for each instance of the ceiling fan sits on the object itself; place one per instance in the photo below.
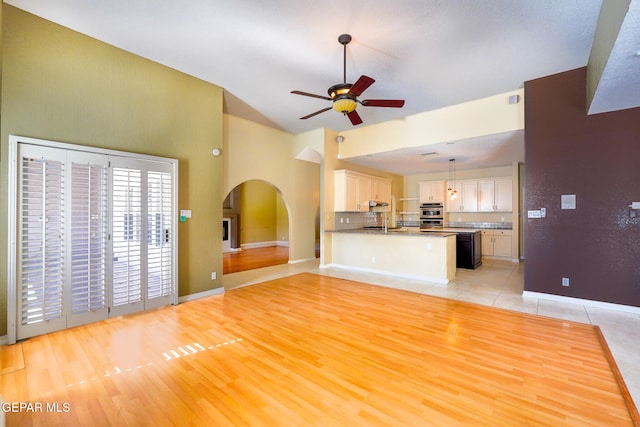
(345, 95)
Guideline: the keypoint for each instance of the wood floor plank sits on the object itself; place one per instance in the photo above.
(315, 350)
(252, 258)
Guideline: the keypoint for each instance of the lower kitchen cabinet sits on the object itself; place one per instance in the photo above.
(468, 250)
(496, 243)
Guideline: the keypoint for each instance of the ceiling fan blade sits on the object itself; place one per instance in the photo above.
(361, 85)
(354, 117)
(316, 113)
(394, 103)
(297, 92)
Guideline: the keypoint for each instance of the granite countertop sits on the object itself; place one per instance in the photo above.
(467, 229)
(480, 226)
(400, 231)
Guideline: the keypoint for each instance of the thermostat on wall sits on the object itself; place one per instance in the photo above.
(568, 201)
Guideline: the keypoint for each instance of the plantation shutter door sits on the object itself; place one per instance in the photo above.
(41, 244)
(88, 238)
(127, 236)
(142, 230)
(159, 235)
(94, 233)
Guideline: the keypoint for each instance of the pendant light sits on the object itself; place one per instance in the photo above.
(451, 191)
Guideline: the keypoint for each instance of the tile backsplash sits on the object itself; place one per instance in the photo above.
(349, 220)
(491, 225)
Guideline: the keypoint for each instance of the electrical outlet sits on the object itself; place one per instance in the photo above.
(341, 220)
(565, 281)
(213, 275)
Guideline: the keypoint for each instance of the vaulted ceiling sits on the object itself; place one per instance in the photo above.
(431, 53)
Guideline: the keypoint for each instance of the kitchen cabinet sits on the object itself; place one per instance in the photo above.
(431, 192)
(467, 200)
(496, 243)
(353, 191)
(495, 195)
(468, 250)
(381, 191)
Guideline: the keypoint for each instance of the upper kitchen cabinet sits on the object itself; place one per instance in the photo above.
(495, 195)
(381, 191)
(353, 191)
(431, 192)
(467, 200)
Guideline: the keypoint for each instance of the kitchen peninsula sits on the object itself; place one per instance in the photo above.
(397, 252)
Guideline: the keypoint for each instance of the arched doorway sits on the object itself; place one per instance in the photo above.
(255, 227)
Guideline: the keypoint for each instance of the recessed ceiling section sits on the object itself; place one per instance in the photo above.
(614, 80)
(497, 150)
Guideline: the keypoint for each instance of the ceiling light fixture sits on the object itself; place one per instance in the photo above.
(344, 96)
(451, 190)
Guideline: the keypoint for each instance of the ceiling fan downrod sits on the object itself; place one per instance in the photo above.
(344, 40)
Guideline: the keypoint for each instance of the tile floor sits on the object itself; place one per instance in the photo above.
(496, 284)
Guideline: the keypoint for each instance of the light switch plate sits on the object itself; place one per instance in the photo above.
(534, 214)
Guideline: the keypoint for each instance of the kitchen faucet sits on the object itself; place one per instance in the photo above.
(384, 216)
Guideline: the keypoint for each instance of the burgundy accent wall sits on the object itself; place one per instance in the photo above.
(597, 158)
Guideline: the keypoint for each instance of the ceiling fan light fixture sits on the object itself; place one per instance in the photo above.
(339, 89)
(344, 104)
(345, 95)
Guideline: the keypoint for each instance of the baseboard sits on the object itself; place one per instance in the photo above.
(581, 301)
(198, 295)
(298, 261)
(259, 244)
(388, 273)
(500, 258)
(266, 244)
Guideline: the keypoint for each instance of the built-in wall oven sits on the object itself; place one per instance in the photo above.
(431, 215)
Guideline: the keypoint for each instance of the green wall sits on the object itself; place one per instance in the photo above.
(258, 218)
(60, 85)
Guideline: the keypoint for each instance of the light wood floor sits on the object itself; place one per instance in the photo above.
(250, 259)
(317, 350)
